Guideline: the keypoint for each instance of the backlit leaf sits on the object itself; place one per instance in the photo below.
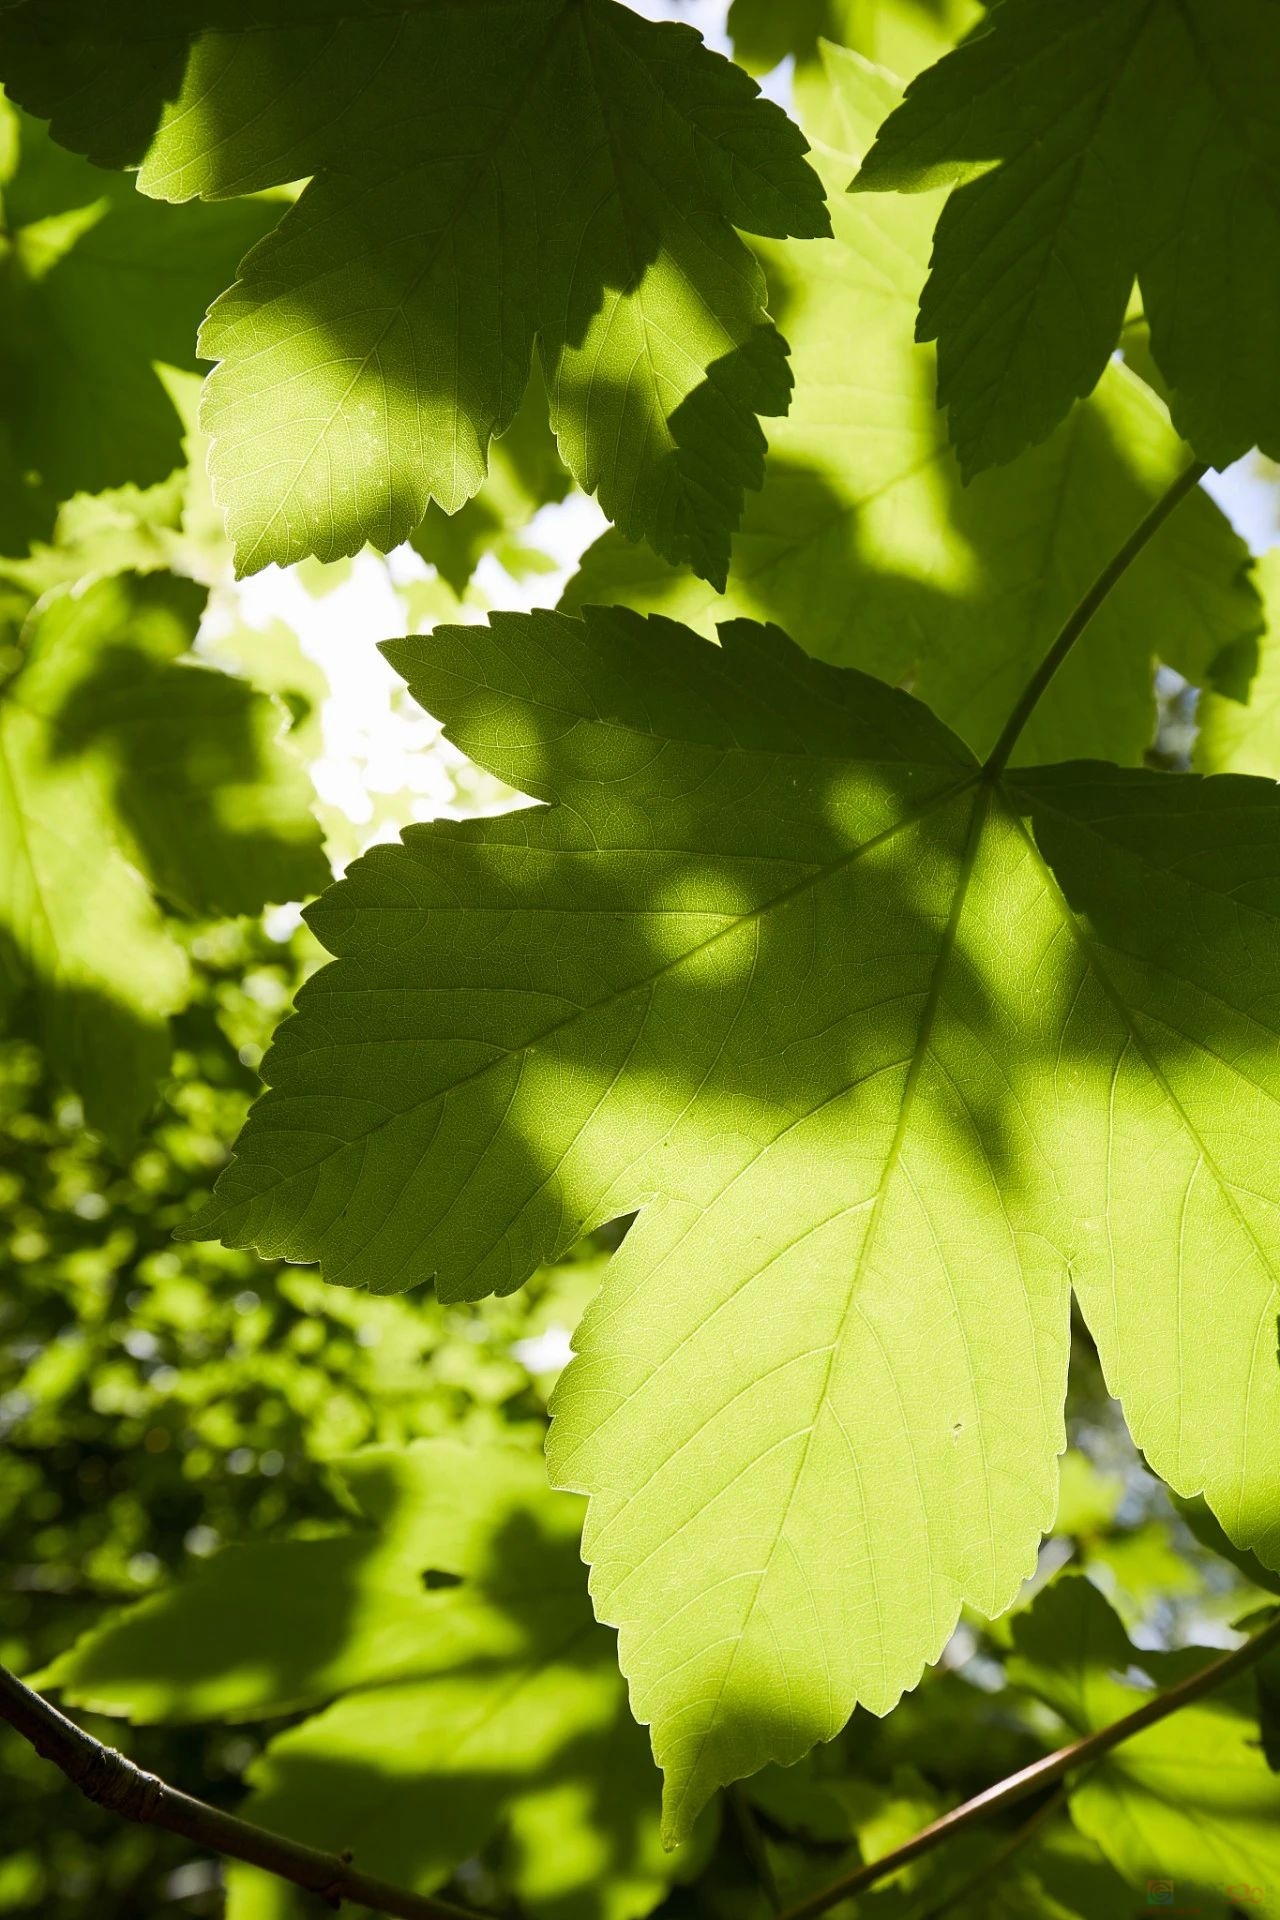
(524, 474)
(1190, 1800)
(475, 1693)
(864, 541)
(903, 35)
(1089, 141)
(124, 769)
(481, 175)
(98, 288)
(1239, 716)
(884, 1052)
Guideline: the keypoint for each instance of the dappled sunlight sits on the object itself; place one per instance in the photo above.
(662, 991)
(386, 325)
(868, 1105)
(100, 287)
(662, 367)
(866, 547)
(274, 1627)
(208, 802)
(783, 959)
(455, 1645)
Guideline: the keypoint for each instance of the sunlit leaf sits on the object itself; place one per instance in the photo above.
(126, 768)
(1190, 1800)
(884, 1052)
(1210, 1534)
(525, 473)
(1088, 141)
(471, 1682)
(98, 286)
(865, 543)
(1239, 716)
(205, 801)
(481, 175)
(903, 35)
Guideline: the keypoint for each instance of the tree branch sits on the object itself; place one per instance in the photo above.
(113, 1781)
(1042, 1773)
(995, 1863)
(1079, 618)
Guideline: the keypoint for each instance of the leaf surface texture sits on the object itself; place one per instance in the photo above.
(465, 1691)
(1089, 142)
(883, 1052)
(864, 541)
(481, 175)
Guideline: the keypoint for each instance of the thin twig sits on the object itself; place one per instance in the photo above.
(1082, 614)
(116, 1783)
(997, 1861)
(1042, 1773)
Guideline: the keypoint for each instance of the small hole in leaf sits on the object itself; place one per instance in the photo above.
(435, 1577)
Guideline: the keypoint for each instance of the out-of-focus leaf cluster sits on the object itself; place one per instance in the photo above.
(156, 1401)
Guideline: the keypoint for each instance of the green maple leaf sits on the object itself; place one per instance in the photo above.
(903, 35)
(1189, 1800)
(864, 540)
(1239, 715)
(482, 175)
(127, 772)
(525, 473)
(98, 287)
(455, 1642)
(1089, 141)
(884, 1049)
(1207, 1531)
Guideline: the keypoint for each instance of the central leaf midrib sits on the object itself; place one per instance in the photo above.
(928, 1019)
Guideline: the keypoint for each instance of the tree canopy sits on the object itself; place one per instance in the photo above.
(641, 1225)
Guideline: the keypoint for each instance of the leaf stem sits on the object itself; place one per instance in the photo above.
(996, 1862)
(1042, 1773)
(1083, 613)
(113, 1781)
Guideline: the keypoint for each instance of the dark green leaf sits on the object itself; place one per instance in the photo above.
(864, 541)
(98, 287)
(575, 174)
(1088, 141)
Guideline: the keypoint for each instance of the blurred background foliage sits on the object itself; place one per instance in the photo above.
(158, 1403)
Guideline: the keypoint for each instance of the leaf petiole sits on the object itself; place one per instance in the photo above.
(1084, 611)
